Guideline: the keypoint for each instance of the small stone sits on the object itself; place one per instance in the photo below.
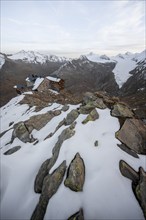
(12, 150)
(91, 117)
(121, 110)
(96, 143)
(65, 108)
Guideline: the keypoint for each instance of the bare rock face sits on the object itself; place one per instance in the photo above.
(43, 171)
(51, 184)
(121, 110)
(91, 117)
(140, 191)
(12, 150)
(77, 216)
(71, 117)
(21, 131)
(76, 174)
(128, 171)
(133, 134)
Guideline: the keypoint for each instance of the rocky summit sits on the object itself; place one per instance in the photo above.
(65, 157)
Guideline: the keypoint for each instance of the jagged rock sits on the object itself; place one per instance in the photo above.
(133, 134)
(12, 150)
(65, 108)
(77, 216)
(20, 131)
(51, 184)
(121, 110)
(141, 191)
(39, 121)
(89, 96)
(71, 117)
(76, 174)
(43, 171)
(96, 143)
(128, 171)
(91, 117)
(127, 150)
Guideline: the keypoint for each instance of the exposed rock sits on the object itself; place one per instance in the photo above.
(43, 171)
(98, 103)
(96, 143)
(11, 123)
(89, 96)
(65, 108)
(133, 134)
(1, 134)
(71, 117)
(128, 171)
(141, 191)
(127, 150)
(76, 174)
(86, 109)
(56, 112)
(20, 131)
(12, 150)
(91, 117)
(50, 186)
(77, 216)
(121, 110)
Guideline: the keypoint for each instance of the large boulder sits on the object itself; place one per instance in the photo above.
(133, 134)
(71, 117)
(141, 191)
(128, 171)
(21, 131)
(91, 117)
(76, 174)
(86, 109)
(65, 108)
(12, 150)
(77, 216)
(51, 184)
(121, 110)
(89, 96)
(42, 173)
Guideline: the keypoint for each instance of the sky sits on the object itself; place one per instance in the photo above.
(72, 28)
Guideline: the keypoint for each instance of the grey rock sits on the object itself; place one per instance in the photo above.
(127, 150)
(86, 109)
(96, 143)
(51, 184)
(89, 96)
(133, 135)
(98, 103)
(141, 191)
(12, 150)
(20, 131)
(57, 112)
(71, 117)
(76, 174)
(128, 171)
(121, 110)
(65, 108)
(77, 216)
(11, 123)
(91, 117)
(43, 171)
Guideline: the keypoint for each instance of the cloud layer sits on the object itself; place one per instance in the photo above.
(73, 27)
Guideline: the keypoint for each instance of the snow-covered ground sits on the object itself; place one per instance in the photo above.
(106, 193)
(2, 60)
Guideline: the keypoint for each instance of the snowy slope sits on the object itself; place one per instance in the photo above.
(2, 60)
(98, 58)
(106, 193)
(36, 57)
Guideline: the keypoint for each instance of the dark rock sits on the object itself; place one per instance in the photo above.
(76, 174)
(57, 112)
(91, 117)
(11, 123)
(77, 216)
(50, 186)
(12, 150)
(65, 108)
(127, 150)
(121, 110)
(133, 135)
(96, 144)
(71, 117)
(141, 191)
(128, 171)
(20, 131)
(43, 171)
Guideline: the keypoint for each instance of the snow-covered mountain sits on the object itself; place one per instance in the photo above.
(102, 192)
(2, 60)
(36, 57)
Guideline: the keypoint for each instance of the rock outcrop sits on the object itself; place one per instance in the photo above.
(51, 184)
(133, 135)
(76, 174)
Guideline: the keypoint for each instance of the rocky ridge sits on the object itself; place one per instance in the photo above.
(51, 173)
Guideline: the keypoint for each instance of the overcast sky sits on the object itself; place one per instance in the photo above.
(71, 28)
